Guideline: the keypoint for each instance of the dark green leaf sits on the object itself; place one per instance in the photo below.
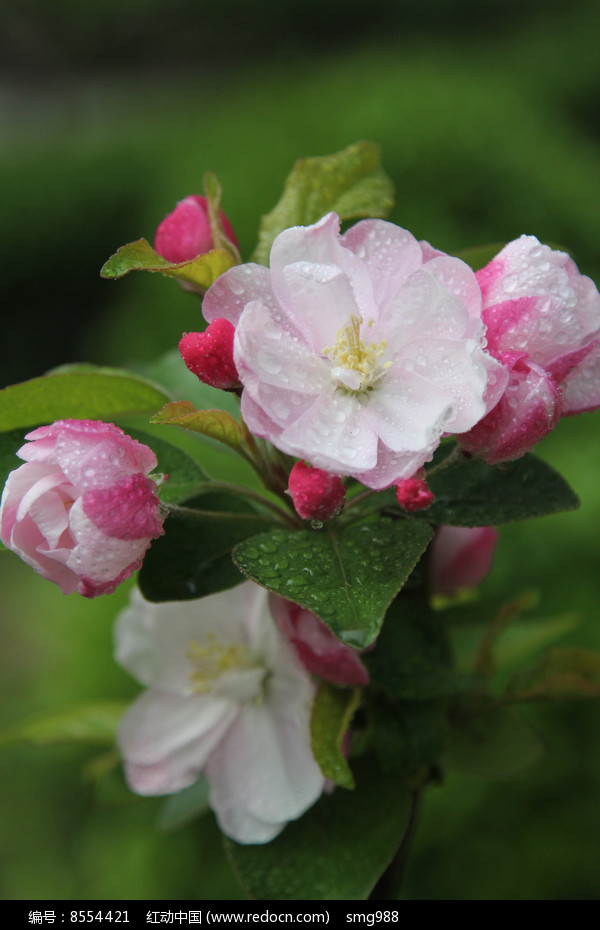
(193, 558)
(10, 443)
(412, 658)
(336, 851)
(409, 736)
(347, 576)
(332, 712)
(480, 255)
(93, 394)
(470, 493)
(84, 723)
(496, 743)
(561, 674)
(351, 183)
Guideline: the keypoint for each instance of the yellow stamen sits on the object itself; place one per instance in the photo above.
(209, 662)
(357, 363)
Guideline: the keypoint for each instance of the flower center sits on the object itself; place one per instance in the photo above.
(229, 668)
(357, 364)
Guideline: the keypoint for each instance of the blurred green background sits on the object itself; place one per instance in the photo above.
(488, 119)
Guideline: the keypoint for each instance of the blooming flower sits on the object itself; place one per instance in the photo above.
(543, 324)
(227, 696)
(357, 352)
(186, 233)
(461, 557)
(320, 652)
(81, 510)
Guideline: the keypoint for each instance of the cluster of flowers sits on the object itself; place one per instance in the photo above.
(356, 354)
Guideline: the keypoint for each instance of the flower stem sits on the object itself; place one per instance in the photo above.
(455, 457)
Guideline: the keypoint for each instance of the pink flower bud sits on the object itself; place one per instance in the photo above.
(81, 511)
(461, 557)
(317, 494)
(413, 493)
(209, 355)
(315, 645)
(185, 233)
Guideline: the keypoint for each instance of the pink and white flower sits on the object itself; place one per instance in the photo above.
(357, 352)
(543, 324)
(226, 696)
(81, 510)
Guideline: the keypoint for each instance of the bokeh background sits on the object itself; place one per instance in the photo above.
(488, 119)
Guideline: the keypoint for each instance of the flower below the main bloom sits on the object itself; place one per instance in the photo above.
(227, 697)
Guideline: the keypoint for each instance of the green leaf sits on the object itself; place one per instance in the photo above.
(347, 576)
(496, 743)
(10, 443)
(84, 723)
(193, 558)
(336, 851)
(181, 808)
(412, 658)
(351, 183)
(93, 394)
(409, 736)
(470, 493)
(170, 372)
(216, 424)
(561, 674)
(201, 271)
(332, 712)
(213, 192)
(185, 474)
(480, 255)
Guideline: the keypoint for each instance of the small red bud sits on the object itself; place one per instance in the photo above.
(209, 355)
(317, 494)
(185, 233)
(414, 494)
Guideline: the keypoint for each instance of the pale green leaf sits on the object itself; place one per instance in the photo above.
(351, 183)
(92, 394)
(201, 271)
(332, 712)
(216, 424)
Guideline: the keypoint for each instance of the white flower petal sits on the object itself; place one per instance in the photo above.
(390, 254)
(319, 282)
(158, 725)
(152, 641)
(264, 765)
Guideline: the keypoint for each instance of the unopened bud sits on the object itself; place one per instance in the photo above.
(186, 233)
(209, 355)
(317, 494)
(413, 493)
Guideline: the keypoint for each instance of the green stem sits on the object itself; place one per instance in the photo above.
(455, 457)
(255, 496)
(192, 513)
